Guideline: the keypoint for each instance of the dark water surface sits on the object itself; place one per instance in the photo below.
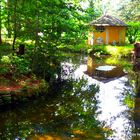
(73, 111)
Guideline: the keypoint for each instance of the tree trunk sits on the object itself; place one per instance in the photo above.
(37, 28)
(36, 37)
(15, 25)
(14, 40)
(0, 25)
(8, 19)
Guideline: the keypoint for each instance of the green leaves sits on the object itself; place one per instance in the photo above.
(133, 31)
(130, 10)
(14, 65)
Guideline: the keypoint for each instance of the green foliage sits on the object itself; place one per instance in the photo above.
(129, 101)
(44, 65)
(129, 10)
(52, 21)
(21, 65)
(5, 63)
(47, 25)
(5, 60)
(79, 47)
(93, 10)
(14, 65)
(4, 49)
(133, 32)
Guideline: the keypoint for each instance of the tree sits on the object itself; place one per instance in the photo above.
(2, 12)
(48, 24)
(130, 10)
(93, 10)
(0, 24)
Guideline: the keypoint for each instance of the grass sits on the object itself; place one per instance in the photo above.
(97, 50)
(75, 48)
(115, 51)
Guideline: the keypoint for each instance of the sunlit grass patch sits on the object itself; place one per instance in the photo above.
(119, 51)
(115, 51)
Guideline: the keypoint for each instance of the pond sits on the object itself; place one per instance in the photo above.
(100, 100)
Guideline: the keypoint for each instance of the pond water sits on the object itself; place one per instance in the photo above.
(72, 110)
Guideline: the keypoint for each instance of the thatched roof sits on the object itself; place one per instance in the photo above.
(107, 20)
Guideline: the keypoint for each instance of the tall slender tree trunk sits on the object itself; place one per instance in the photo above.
(36, 37)
(37, 28)
(8, 19)
(0, 24)
(15, 25)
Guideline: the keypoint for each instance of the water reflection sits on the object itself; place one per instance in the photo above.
(72, 114)
(103, 72)
(119, 102)
(115, 113)
(75, 112)
(136, 115)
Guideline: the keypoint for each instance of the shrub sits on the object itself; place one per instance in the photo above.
(133, 31)
(5, 65)
(21, 65)
(14, 65)
(5, 60)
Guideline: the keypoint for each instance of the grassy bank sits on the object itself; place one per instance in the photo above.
(97, 50)
(115, 51)
(17, 81)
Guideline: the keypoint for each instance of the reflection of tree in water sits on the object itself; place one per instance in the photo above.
(137, 100)
(132, 99)
(71, 114)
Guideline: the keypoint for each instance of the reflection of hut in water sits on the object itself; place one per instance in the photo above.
(103, 72)
(91, 66)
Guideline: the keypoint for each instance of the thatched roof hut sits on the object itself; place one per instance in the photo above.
(107, 30)
(107, 20)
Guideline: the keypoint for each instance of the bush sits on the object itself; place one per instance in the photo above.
(133, 32)
(21, 65)
(14, 65)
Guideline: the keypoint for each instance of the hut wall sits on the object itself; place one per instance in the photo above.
(116, 35)
(98, 36)
(111, 35)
